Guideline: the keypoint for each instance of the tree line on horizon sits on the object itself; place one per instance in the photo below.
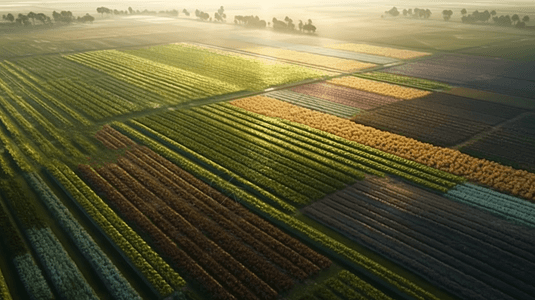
(473, 18)
(65, 17)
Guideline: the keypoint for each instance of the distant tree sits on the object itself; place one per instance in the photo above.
(32, 15)
(405, 12)
(87, 18)
(309, 28)
(493, 13)
(503, 20)
(427, 13)
(56, 16)
(515, 18)
(421, 13)
(446, 14)
(41, 17)
(185, 12)
(520, 25)
(485, 16)
(393, 12)
(463, 11)
(130, 10)
(416, 13)
(300, 25)
(10, 18)
(409, 12)
(525, 19)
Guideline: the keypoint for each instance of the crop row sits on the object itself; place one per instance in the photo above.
(299, 228)
(252, 129)
(29, 273)
(222, 170)
(27, 79)
(428, 126)
(90, 105)
(17, 82)
(377, 87)
(466, 109)
(366, 161)
(20, 160)
(174, 84)
(151, 176)
(376, 50)
(138, 96)
(371, 161)
(4, 290)
(345, 286)
(156, 271)
(441, 160)
(263, 228)
(303, 169)
(248, 72)
(405, 80)
(272, 180)
(344, 95)
(61, 270)
(505, 206)
(54, 67)
(311, 59)
(199, 233)
(314, 103)
(43, 122)
(382, 216)
(158, 236)
(116, 284)
(21, 142)
(44, 144)
(507, 146)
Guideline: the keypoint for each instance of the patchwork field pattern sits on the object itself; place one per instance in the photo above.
(124, 175)
(488, 173)
(490, 74)
(174, 84)
(351, 257)
(464, 250)
(189, 218)
(344, 95)
(247, 72)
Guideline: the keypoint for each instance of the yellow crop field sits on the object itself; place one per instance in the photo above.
(383, 51)
(313, 59)
(481, 171)
(381, 88)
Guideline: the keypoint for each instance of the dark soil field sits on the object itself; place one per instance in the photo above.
(491, 74)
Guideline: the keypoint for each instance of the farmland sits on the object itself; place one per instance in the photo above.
(171, 158)
(497, 75)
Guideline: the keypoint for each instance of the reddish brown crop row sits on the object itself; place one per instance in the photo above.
(245, 255)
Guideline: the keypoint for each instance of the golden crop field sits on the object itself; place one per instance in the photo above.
(382, 88)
